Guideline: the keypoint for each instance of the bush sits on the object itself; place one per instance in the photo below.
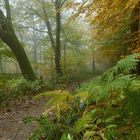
(18, 88)
(104, 108)
(23, 87)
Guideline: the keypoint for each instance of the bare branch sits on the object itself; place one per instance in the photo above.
(35, 11)
(63, 3)
(32, 28)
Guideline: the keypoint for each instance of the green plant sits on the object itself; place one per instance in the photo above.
(17, 88)
(103, 108)
(23, 86)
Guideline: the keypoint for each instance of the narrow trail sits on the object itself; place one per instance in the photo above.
(11, 126)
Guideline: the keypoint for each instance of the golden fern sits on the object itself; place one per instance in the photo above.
(60, 101)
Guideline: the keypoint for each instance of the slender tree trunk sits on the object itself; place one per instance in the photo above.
(93, 49)
(134, 30)
(9, 37)
(58, 45)
(16, 65)
(47, 22)
(8, 11)
(93, 61)
(1, 65)
(55, 45)
(35, 49)
(65, 58)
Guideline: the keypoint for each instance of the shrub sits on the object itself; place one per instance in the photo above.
(102, 109)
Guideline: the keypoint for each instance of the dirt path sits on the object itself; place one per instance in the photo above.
(11, 127)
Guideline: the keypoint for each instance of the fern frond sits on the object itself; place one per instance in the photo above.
(128, 63)
(82, 95)
(58, 101)
(124, 66)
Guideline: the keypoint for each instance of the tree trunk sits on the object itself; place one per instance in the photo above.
(35, 49)
(9, 37)
(55, 45)
(65, 57)
(134, 31)
(93, 59)
(58, 31)
(1, 65)
(47, 22)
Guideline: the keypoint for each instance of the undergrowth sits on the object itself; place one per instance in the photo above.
(106, 108)
(18, 88)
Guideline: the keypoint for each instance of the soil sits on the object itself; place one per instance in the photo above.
(11, 125)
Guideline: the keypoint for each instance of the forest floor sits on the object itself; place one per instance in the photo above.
(11, 126)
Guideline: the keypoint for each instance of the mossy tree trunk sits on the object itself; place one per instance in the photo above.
(8, 36)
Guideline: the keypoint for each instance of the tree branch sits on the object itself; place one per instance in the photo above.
(3, 20)
(62, 3)
(35, 11)
(47, 22)
(32, 28)
(8, 11)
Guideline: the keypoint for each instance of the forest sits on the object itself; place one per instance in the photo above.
(69, 69)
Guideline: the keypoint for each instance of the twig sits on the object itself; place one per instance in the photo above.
(18, 130)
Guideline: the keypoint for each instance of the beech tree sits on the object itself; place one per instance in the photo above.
(115, 25)
(55, 41)
(8, 36)
(56, 44)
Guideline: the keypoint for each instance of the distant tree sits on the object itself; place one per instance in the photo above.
(115, 24)
(56, 44)
(56, 5)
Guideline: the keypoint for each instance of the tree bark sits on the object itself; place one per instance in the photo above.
(47, 22)
(8, 11)
(34, 38)
(1, 65)
(65, 57)
(134, 31)
(8, 36)
(55, 45)
(58, 31)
